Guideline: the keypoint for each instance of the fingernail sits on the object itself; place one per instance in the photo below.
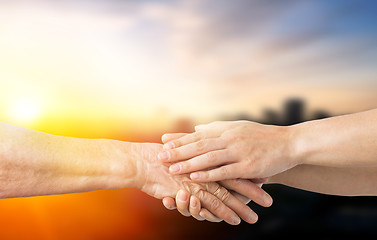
(165, 155)
(253, 218)
(193, 203)
(182, 196)
(175, 168)
(170, 207)
(168, 146)
(236, 220)
(195, 175)
(164, 136)
(267, 200)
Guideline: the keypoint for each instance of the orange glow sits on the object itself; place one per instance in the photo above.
(133, 70)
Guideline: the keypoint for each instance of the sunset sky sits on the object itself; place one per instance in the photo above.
(132, 62)
(121, 69)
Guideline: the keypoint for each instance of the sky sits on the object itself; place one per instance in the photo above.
(129, 70)
(141, 64)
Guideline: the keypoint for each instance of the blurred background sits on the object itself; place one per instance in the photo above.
(133, 70)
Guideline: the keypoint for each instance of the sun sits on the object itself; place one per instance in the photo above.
(24, 110)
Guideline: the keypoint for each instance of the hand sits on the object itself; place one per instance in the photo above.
(239, 149)
(190, 205)
(155, 180)
(243, 190)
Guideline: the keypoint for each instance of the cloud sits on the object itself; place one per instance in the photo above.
(219, 51)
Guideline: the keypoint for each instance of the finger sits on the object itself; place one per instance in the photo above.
(204, 161)
(182, 201)
(240, 208)
(204, 213)
(250, 190)
(219, 209)
(260, 181)
(213, 204)
(169, 203)
(218, 174)
(195, 208)
(167, 137)
(191, 150)
(190, 138)
(240, 197)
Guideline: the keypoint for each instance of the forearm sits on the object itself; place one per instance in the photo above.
(335, 156)
(344, 141)
(34, 163)
(330, 180)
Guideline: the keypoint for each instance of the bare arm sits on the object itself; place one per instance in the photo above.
(344, 141)
(359, 181)
(34, 163)
(244, 149)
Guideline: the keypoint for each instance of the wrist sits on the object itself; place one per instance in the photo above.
(135, 159)
(124, 170)
(103, 163)
(297, 144)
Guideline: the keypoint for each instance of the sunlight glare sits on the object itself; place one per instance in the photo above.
(24, 110)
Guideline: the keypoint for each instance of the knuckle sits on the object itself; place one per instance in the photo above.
(185, 166)
(200, 145)
(207, 185)
(249, 164)
(228, 137)
(224, 171)
(225, 197)
(174, 154)
(176, 143)
(238, 181)
(215, 204)
(211, 157)
(193, 188)
(197, 190)
(198, 135)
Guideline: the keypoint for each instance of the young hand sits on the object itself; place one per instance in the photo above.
(230, 150)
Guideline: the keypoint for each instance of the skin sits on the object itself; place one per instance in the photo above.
(347, 181)
(319, 156)
(240, 149)
(34, 163)
(244, 149)
(190, 205)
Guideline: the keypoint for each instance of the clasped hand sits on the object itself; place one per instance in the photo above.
(227, 151)
(225, 200)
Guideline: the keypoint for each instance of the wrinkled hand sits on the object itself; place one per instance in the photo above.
(156, 181)
(190, 205)
(239, 149)
(243, 190)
